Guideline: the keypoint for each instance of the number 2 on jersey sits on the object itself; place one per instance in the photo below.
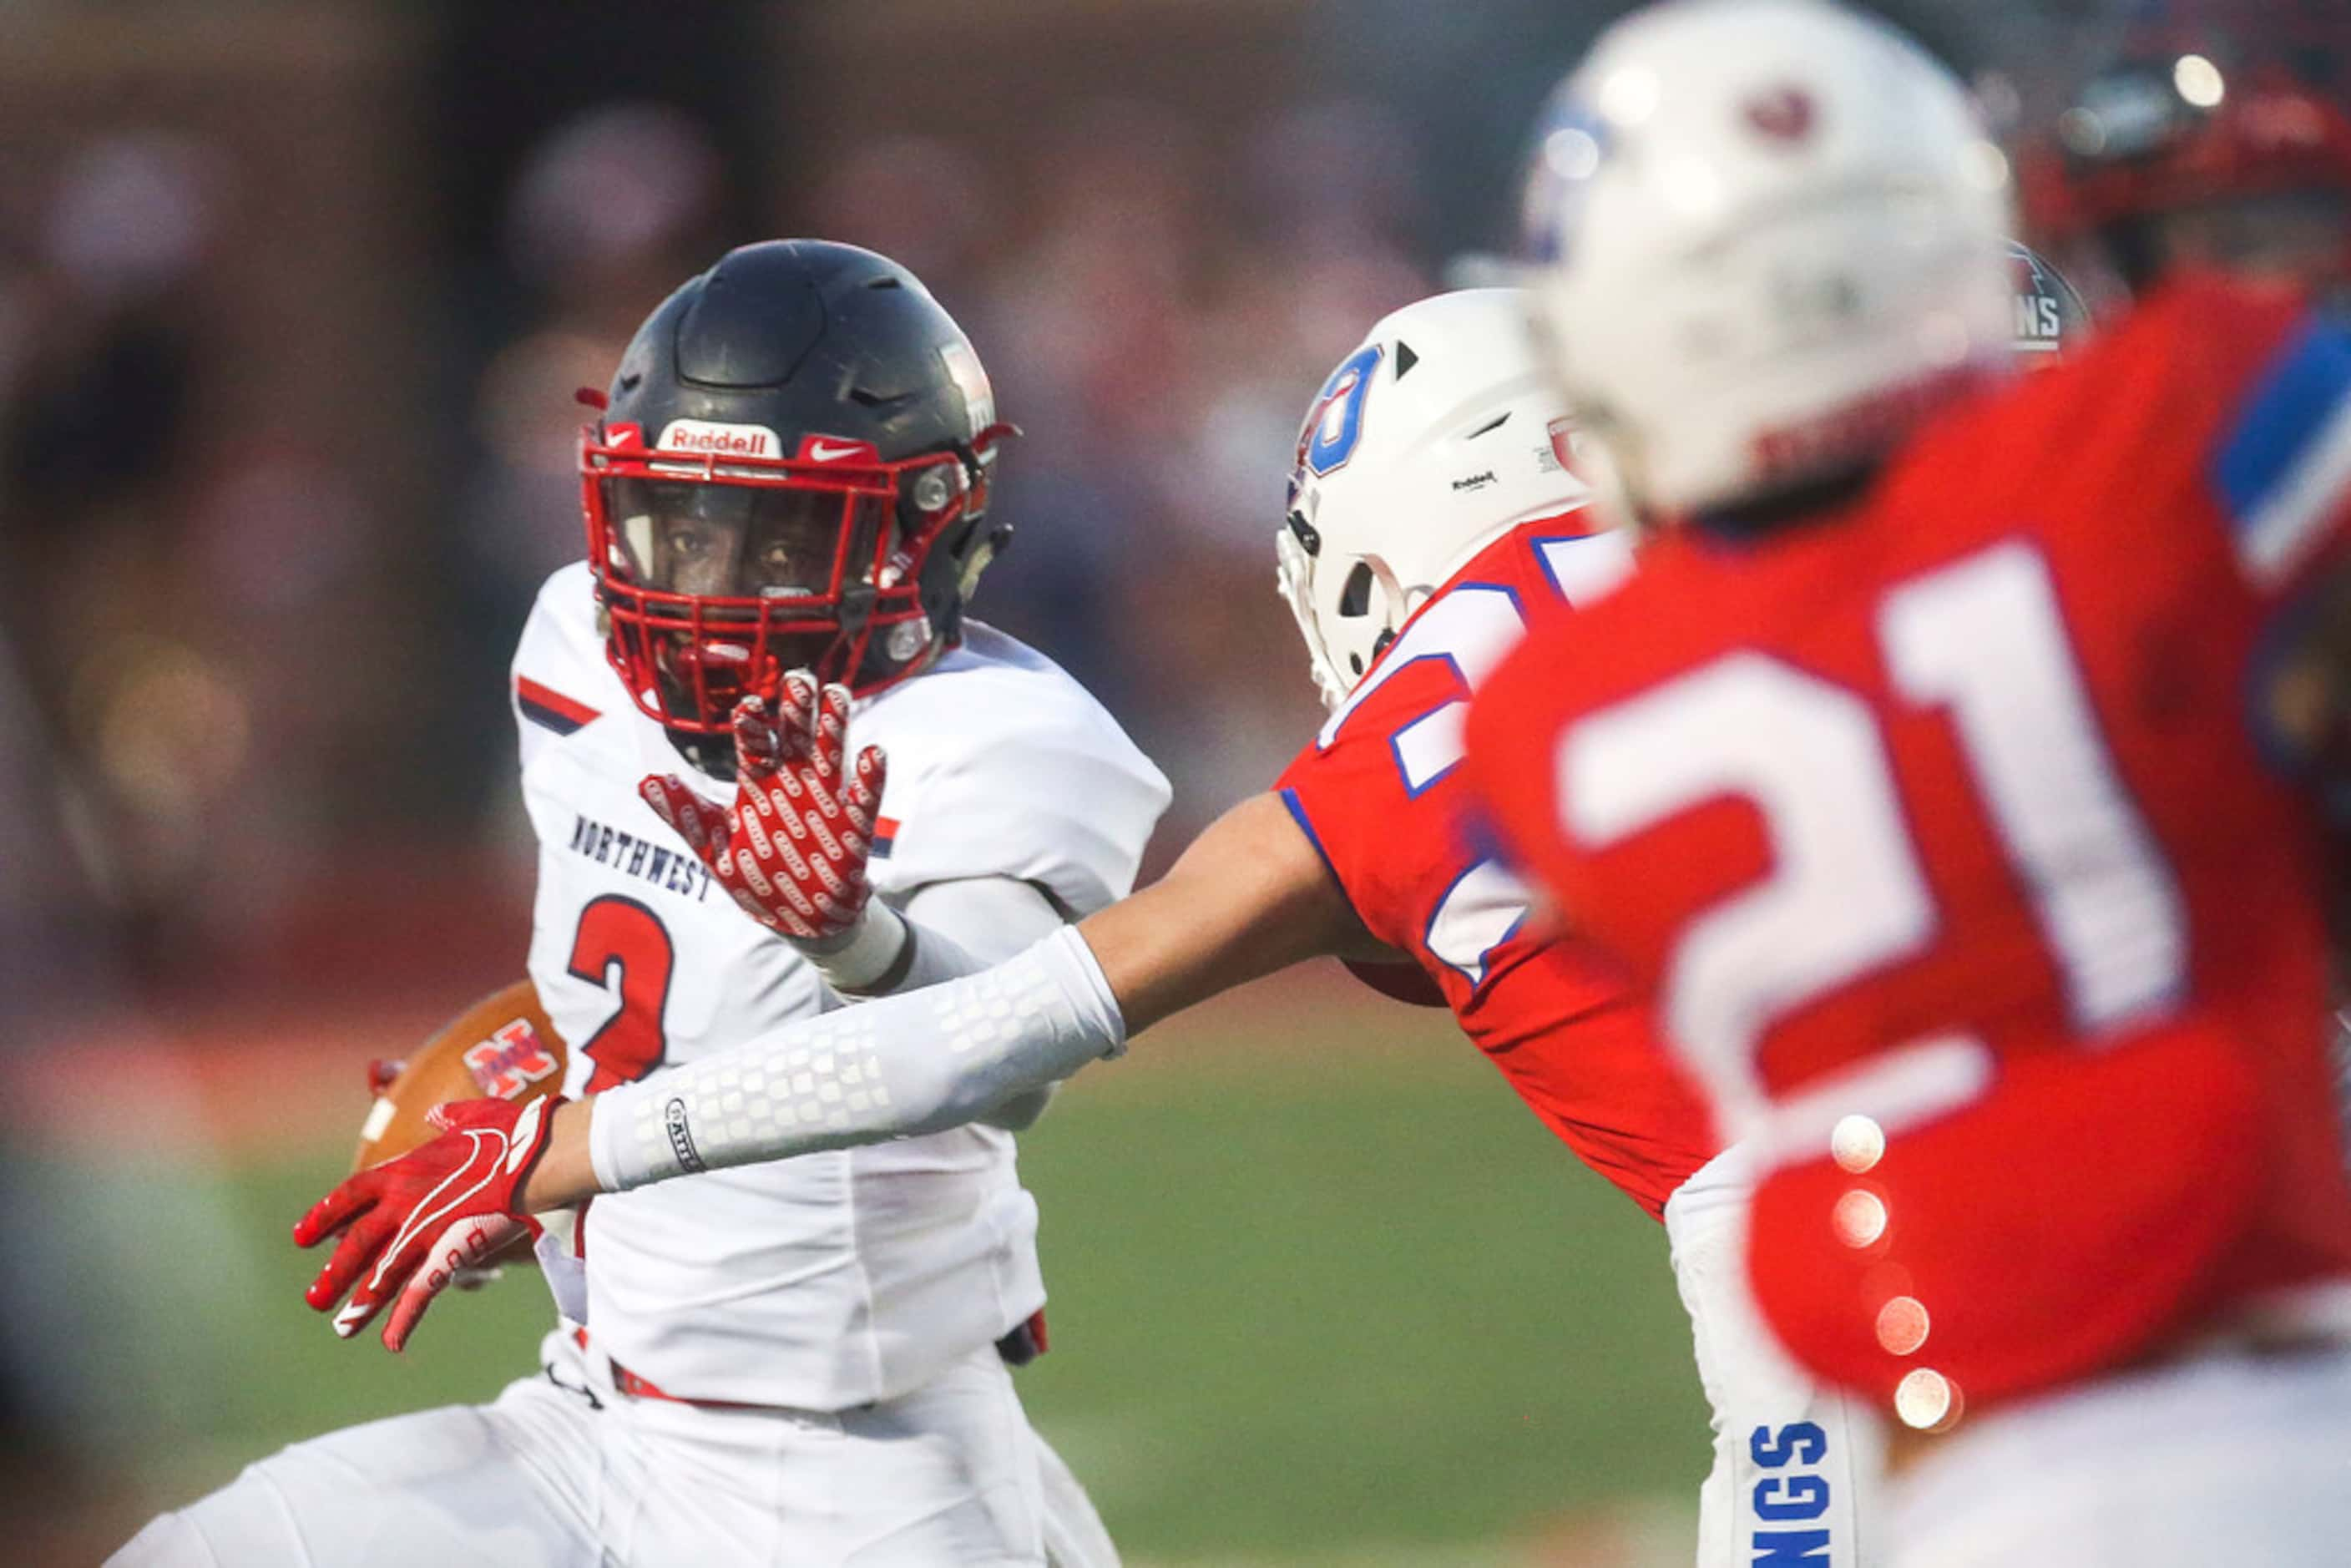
(620, 935)
(1983, 639)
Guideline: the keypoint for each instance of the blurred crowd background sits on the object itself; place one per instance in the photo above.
(294, 298)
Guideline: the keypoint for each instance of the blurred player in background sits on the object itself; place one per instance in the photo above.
(1950, 769)
(1432, 506)
(2167, 162)
(803, 1363)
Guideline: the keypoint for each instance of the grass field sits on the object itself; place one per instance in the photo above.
(1312, 1304)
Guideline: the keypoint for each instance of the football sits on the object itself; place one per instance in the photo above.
(503, 1045)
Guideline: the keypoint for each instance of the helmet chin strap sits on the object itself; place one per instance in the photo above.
(1398, 603)
(982, 556)
(1393, 594)
(906, 639)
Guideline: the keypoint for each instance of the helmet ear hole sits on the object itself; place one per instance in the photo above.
(1356, 595)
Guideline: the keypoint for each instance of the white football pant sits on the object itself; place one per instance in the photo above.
(563, 1471)
(1796, 1477)
(2235, 1456)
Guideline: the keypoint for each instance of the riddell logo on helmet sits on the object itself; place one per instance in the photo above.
(721, 439)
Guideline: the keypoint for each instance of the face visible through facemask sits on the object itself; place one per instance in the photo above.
(739, 542)
(743, 582)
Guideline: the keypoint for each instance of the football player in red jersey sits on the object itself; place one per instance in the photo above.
(1432, 508)
(1949, 770)
(1382, 506)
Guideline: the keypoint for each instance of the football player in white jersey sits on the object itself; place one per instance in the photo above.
(798, 1363)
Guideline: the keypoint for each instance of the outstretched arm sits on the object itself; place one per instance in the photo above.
(1248, 898)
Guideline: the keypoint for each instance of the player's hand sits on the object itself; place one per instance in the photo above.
(396, 1216)
(464, 1257)
(482, 1266)
(792, 848)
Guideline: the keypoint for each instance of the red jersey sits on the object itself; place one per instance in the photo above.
(1950, 813)
(1379, 793)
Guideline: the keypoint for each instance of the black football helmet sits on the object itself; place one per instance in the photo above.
(791, 470)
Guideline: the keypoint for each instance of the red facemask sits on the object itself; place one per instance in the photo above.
(720, 563)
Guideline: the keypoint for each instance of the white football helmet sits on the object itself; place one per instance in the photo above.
(1770, 231)
(1436, 435)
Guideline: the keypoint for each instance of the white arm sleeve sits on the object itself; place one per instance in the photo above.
(949, 930)
(918, 1063)
(961, 927)
(942, 931)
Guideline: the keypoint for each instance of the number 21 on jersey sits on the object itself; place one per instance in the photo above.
(1982, 641)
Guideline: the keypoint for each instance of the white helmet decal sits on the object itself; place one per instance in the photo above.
(1428, 441)
(1334, 425)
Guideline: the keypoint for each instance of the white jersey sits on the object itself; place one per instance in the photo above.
(833, 1280)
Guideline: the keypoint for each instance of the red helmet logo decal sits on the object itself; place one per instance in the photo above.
(1784, 114)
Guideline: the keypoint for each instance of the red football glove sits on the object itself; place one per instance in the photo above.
(397, 1215)
(466, 1256)
(792, 848)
